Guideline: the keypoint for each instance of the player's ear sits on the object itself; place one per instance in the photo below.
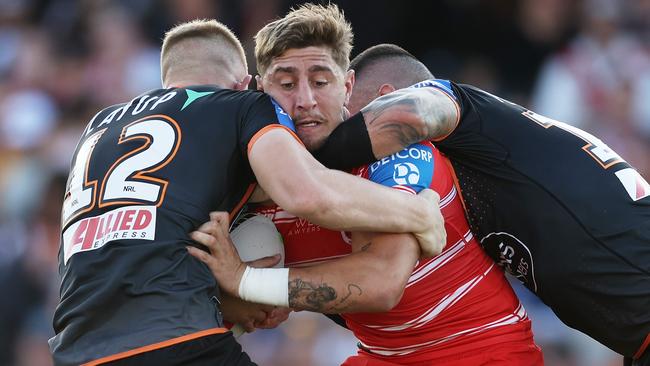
(243, 84)
(258, 80)
(385, 89)
(349, 84)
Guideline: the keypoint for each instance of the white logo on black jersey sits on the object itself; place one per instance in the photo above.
(513, 255)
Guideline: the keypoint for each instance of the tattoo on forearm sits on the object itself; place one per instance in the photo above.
(342, 306)
(305, 295)
(309, 296)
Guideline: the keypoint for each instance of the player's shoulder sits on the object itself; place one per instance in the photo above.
(412, 166)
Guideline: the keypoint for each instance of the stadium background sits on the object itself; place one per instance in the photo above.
(584, 62)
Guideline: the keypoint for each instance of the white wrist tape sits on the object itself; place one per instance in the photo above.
(265, 286)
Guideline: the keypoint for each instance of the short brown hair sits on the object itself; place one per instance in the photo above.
(305, 26)
(206, 29)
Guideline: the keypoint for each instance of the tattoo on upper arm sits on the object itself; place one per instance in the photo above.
(365, 247)
(411, 115)
(376, 118)
(305, 295)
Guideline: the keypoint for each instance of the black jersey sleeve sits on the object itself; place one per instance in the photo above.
(259, 114)
(348, 146)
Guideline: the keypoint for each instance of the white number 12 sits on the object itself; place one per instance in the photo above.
(126, 181)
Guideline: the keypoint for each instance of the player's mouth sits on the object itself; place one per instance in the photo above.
(307, 125)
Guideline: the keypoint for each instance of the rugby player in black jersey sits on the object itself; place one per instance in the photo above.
(147, 172)
(551, 203)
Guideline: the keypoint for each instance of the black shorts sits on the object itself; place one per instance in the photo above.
(215, 350)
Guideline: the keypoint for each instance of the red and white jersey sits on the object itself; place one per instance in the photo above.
(453, 303)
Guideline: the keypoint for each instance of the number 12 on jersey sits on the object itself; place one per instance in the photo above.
(126, 181)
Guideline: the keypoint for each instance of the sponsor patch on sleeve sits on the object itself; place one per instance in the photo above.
(410, 170)
(124, 223)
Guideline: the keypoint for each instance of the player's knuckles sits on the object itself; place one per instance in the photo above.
(206, 227)
(220, 218)
(267, 310)
(430, 195)
(203, 238)
(248, 326)
(260, 317)
(200, 255)
(219, 215)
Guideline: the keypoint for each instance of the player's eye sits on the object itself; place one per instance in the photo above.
(321, 83)
(287, 86)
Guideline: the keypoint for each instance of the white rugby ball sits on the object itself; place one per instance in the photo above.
(255, 237)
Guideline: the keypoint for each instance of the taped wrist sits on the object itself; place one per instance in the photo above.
(268, 286)
(348, 146)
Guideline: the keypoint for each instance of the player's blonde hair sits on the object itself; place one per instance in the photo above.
(199, 29)
(305, 26)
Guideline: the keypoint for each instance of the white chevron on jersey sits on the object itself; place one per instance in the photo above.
(449, 197)
(406, 189)
(518, 315)
(438, 261)
(444, 304)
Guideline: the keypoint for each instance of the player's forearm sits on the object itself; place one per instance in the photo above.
(359, 282)
(407, 116)
(349, 285)
(346, 202)
(330, 198)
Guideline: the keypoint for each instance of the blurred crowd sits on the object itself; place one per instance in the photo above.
(586, 63)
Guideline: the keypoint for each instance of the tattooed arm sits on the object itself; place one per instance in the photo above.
(407, 116)
(371, 279)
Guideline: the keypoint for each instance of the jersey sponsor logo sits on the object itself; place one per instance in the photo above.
(417, 153)
(302, 226)
(513, 255)
(406, 173)
(635, 186)
(124, 223)
(192, 96)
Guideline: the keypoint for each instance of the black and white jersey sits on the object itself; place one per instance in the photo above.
(144, 175)
(559, 210)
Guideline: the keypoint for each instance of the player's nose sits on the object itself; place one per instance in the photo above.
(305, 98)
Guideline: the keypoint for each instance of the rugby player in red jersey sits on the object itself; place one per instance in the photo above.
(454, 309)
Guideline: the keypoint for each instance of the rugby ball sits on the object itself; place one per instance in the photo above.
(255, 237)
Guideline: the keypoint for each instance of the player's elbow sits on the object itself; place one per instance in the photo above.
(303, 203)
(314, 202)
(388, 291)
(388, 298)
